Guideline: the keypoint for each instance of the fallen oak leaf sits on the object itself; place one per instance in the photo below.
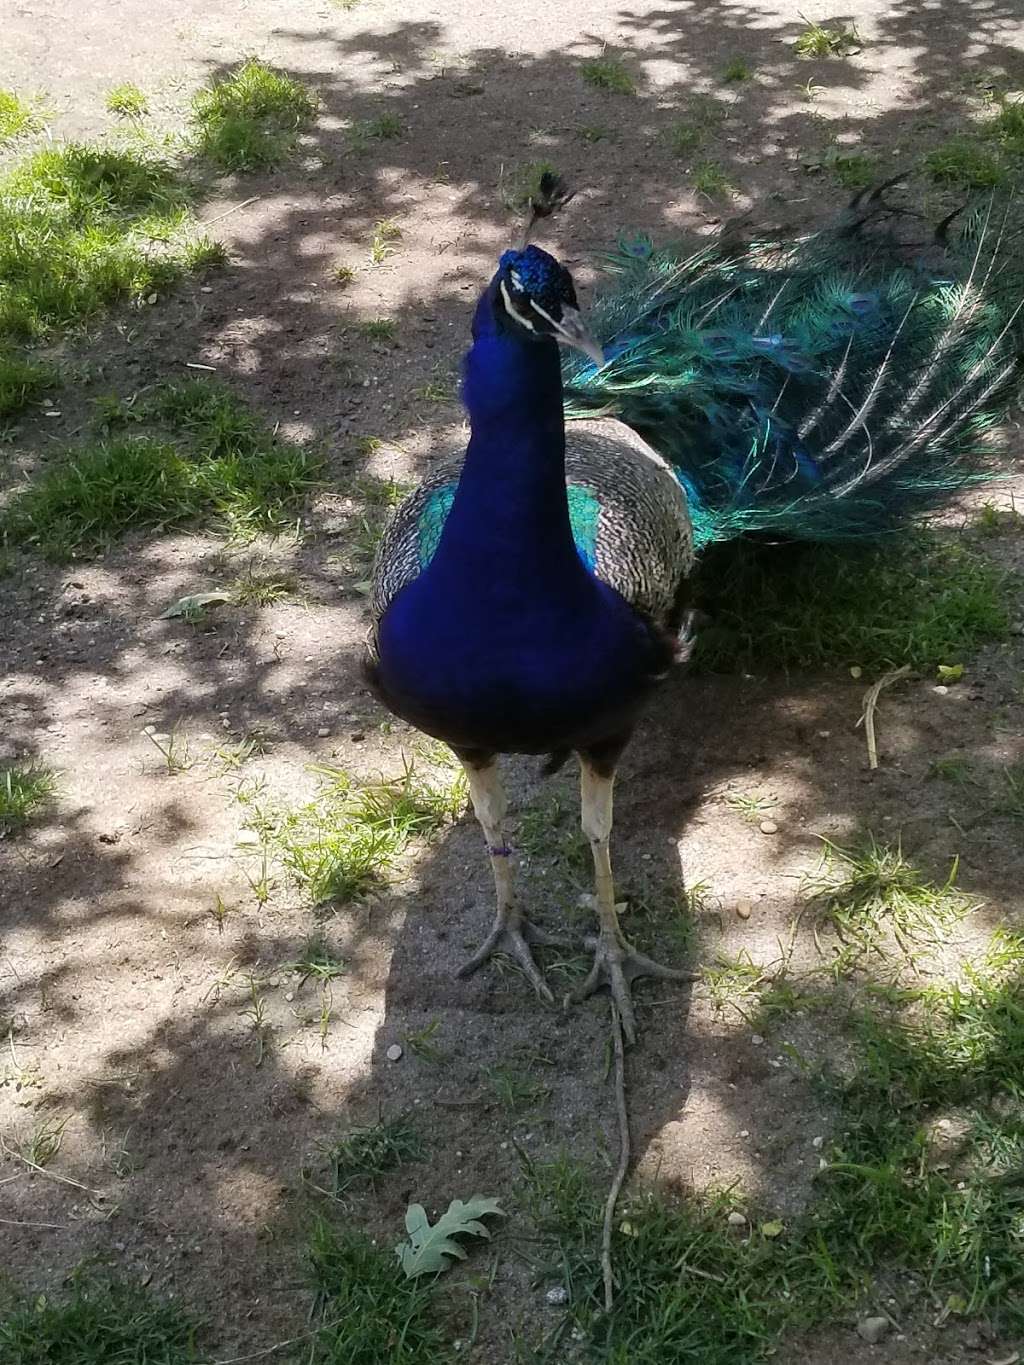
(427, 1248)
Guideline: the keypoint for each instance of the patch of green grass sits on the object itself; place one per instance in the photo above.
(922, 602)
(689, 1286)
(873, 896)
(96, 1323)
(249, 120)
(951, 768)
(16, 117)
(223, 467)
(127, 101)
(854, 170)
(829, 40)
(421, 1043)
(21, 381)
(966, 162)
(379, 329)
(346, 841)
(711, 181)
(592, 132)
(24, 791)
(738, 69)
(384, 128)
(373, 1313)
(519, 184)
(82, 227)
(704, 117)
(611, 73)
(363, 1155)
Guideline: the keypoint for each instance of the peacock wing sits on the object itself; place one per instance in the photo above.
(629, 515)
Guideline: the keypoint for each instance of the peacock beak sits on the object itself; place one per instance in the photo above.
(571, 330)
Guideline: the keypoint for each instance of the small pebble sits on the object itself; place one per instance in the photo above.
(941, 690)
(737, 1219)
(323, 732)
(247, 838)
(557, 1295)
(743, 909)
(768, 827)
(756, 1039)
(394, 1052)
(873, 1330)
(818, 1143)
(744, 1132)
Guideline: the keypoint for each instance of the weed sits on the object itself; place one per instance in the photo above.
(736, 983)
(965, 162)
(95, 1322)
(704, 117)
(219, 912)
(951, 768)
(516, 1090)
(365, 1154)
(815, 608)
(609, 73)
(379, 329)
(21, 381)
(422, 1043)
(227, 469)
(248, 120)
(317, 962)
(16, 117)
(24, 791)
(752, 808)
(173, 748)
(263, 587)
(819, 40)
(382, 244)
(738, 69)
(433, 392)
(591, 132)
(549, 830)
(711, 181)
(127, 101)
(43, 1143)
(200, 254)
(519, 184)
(1012, 801)
(344, 274)
(384, 128)
(871, 894)
(256, 1013)
(369, 1311)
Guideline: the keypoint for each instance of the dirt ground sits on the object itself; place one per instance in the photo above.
(182, 1150)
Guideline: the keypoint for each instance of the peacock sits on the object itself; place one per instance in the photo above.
(529, 595)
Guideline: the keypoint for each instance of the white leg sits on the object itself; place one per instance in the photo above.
(511, 932)
(616, 963)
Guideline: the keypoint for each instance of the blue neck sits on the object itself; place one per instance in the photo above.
(511, 504)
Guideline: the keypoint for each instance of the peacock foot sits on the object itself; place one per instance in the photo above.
(514, 936)
(617, 965)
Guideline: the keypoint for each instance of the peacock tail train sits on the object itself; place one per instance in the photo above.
(823, 388)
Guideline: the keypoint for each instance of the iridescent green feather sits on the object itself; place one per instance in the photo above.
(822, 388)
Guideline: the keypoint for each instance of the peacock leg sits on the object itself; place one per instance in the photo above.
(512, 933)
(616, 961)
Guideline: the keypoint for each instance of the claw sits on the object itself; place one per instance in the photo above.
(515, 940)
(617, 965)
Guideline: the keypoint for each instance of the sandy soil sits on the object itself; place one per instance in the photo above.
(127, 999)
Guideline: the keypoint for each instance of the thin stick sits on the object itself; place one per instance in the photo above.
(208, 222)
(620, 1174)
(280, 1345)
(23, 1223)
(870, 702)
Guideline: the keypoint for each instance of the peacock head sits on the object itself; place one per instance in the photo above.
(534, 296)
